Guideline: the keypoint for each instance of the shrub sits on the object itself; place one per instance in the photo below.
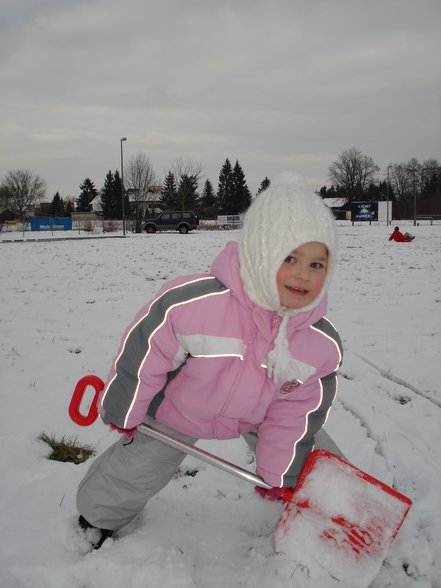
(88, 227)
(110, 226)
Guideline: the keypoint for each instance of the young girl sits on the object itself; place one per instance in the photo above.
(243, 350)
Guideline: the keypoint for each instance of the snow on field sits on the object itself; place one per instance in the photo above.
(64, 306)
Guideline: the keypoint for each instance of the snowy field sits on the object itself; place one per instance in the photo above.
(64, 306)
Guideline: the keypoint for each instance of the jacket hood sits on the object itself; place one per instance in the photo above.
(226, 268)
(281, 218)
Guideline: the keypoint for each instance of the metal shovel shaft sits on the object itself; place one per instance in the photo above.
(218, 462)
(85, 420)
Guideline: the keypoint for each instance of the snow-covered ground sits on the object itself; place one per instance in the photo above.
(64, 306)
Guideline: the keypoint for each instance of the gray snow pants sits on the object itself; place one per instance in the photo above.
(120, 482)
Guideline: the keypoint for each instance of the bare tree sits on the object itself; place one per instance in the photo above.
(431, 167)
(139, 177)
(424, 176)
(4, 199)
(24, 189)
(188, 168)
(401, 181)
(430, 178)
(404, 174)
(353, 172)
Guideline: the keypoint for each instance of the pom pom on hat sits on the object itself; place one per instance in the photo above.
(281, 218)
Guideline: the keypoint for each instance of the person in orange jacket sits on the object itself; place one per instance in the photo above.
(397, 235)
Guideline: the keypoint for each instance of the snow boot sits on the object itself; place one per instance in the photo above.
(103, 534)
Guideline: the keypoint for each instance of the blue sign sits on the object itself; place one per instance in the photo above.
(63, 223)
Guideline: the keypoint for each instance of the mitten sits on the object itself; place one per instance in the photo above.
(274, 494)
(129, 433)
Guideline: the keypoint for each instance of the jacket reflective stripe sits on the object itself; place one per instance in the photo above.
(136, 345)
(316, 417)
(303, 435)
(201, 345)
(326, 328)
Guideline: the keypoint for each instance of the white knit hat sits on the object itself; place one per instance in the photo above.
(281, 218)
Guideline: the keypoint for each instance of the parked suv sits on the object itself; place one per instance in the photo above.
(175, 220)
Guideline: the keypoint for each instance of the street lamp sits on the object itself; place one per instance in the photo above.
(413, 171)
(122, 186)
(387, 196)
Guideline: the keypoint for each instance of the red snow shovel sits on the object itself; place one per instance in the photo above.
(338, 522)
(340, 519)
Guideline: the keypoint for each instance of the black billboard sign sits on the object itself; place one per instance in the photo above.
(364, 211)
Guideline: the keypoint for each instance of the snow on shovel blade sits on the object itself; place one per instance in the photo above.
(339, 521)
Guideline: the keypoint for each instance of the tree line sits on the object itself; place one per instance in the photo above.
(353, 175)
(21, 192)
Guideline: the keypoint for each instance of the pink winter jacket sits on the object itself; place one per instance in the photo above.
(194, 358)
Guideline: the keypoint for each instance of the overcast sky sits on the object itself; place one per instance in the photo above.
(278, 85)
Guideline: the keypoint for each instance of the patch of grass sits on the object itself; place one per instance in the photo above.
(66, 450)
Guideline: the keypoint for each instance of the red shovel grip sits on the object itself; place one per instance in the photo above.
(77, 397)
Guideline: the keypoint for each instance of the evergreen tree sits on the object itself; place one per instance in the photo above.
(110, 197)
(225, 189)
(117, 190)
(88, 193)
(169, 195)
(242, 194)
(380, 191)
(69, 207)
(57, 206)
(331, 192)
(106, 197)
(187, 192)
(208, 201)
(264, 184)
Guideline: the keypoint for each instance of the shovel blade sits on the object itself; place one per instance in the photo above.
(340, 519)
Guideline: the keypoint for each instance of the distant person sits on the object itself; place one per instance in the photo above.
(245, 350)
(397, 235)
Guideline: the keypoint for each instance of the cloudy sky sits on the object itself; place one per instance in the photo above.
(277, 85)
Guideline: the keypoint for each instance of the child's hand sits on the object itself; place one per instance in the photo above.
(273, 494)
(129, 433)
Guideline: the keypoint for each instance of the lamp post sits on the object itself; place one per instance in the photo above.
(413, 171)
(122, 186)
(387, 197)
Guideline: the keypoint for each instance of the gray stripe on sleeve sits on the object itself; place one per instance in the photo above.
(315, 422)
(121, 391)
(318, 416)
(325, 326)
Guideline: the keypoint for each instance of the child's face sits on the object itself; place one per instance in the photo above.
(301, 276)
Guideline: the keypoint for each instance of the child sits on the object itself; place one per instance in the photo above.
(397, 235)
(244, 350)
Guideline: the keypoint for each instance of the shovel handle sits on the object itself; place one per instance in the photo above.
(175, 442)
(189, 449)
(77, 397)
